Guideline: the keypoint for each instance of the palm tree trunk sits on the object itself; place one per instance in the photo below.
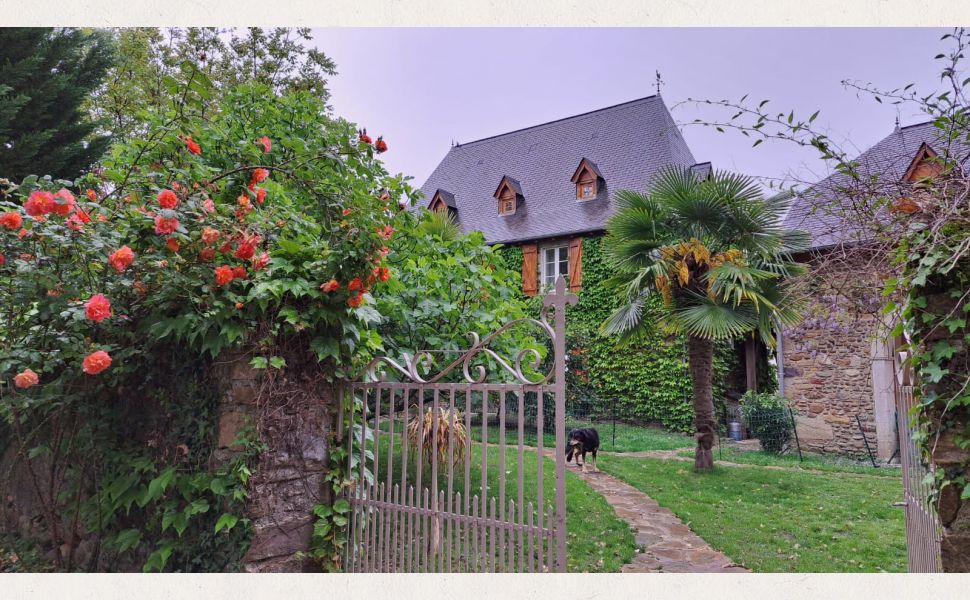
(700, 353)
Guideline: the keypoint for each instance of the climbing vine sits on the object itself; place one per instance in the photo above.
(648, 380)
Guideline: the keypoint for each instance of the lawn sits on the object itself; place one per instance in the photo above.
(597, 540)
(774, 520)
(815, 462)
(629, 438)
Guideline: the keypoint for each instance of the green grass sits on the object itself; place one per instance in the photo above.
(597, 540)
(816, 462)
(780, 521)
(629, 438)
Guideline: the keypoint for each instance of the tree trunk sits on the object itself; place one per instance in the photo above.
(700, 353)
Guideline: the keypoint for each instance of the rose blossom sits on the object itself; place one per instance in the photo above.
(96, 362)
(26, 379)
(97, 308)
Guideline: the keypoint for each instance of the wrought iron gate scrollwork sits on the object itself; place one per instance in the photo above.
(451, 516)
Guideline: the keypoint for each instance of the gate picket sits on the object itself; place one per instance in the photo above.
(430, 524)
(922, 522)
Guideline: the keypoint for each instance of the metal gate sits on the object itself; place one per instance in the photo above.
(922, 523)
(438, 488)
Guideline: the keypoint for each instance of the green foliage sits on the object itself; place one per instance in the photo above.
(646, 377)
(152, 62)
(776, 520)
(715, 250)
(937, 283)
(184, 519)
(767, 418)
(445, 285)
(325, 210)
(45, 76)
(330, 528)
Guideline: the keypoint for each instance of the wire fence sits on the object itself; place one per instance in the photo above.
(773, 428)
(768, 430)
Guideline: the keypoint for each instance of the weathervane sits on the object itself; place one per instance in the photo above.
(660, 82)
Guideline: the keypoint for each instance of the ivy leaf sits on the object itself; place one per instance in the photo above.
(227, 521)
(157, 486)
(933, 372)
(157, 559)
(944, 350)
(38, 451)
(955, 323)
(128, 539)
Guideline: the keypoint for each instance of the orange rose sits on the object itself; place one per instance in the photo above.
(121, 258)
(26, 379)
(96, 362)
(97, 308)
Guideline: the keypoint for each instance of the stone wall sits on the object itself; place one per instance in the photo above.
(295, 419)
(828, 363)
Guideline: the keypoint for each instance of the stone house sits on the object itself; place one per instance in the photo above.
(839, 367)
(549, 188)
(546, 187)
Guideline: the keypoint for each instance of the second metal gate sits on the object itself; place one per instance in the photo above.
(439, 488)
(922, 522)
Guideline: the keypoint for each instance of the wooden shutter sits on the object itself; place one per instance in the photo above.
(530, 270)
(575, 264)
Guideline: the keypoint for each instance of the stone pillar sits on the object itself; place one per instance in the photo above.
(884, 398)
(294, 416)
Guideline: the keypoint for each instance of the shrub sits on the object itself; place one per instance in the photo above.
(199, 237)
(766, 418)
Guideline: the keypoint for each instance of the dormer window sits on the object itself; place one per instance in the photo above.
(443, 201)
(925, 165)
(587, 179)
(508, 194)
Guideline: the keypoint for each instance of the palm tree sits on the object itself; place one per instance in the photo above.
(717, 253)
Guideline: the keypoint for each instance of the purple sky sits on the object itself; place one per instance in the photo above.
(423, 88)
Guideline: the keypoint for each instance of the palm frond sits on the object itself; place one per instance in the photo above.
(441, 224)
(711, 320)
(625, 319)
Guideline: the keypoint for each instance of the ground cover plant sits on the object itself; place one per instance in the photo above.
(808, 460)
(773, 520)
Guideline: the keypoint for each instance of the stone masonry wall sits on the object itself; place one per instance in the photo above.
(828, 365)
(295, 421)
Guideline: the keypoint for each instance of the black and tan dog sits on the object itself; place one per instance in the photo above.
(580, 442)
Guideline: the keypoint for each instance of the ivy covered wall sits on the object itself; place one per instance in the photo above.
(648, 379)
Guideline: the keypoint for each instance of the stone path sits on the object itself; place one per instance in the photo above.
(667, 545)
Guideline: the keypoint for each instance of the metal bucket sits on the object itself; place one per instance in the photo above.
(734, 431)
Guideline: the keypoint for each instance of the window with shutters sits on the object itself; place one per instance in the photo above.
(555, 262)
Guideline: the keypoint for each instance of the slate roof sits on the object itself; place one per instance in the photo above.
(817, 211)
(628, 143)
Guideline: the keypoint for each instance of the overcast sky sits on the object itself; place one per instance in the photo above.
(423, 88)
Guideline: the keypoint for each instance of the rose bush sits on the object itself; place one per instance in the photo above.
(224, 227)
